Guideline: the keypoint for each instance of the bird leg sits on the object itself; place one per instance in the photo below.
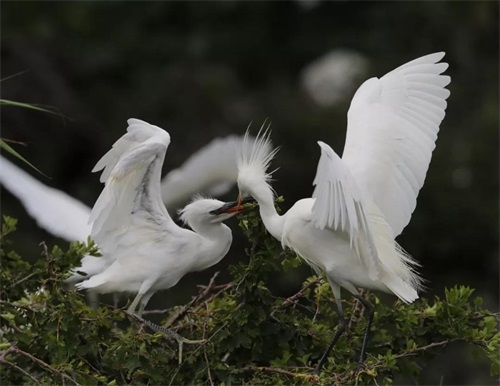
(340, 328)
(369, 318)
(144, 301)
(134, 303)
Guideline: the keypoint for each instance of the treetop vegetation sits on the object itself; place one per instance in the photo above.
(237, 332)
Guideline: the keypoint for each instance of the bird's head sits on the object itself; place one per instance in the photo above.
(209, 211)
(253, 161)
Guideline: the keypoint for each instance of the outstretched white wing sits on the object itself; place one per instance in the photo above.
(338, 206)
(392, 128)
(212, 170)
(53, 210)
(132, 186)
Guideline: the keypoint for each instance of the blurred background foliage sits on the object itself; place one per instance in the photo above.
(207, 69)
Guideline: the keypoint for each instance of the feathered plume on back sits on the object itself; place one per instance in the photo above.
(255, 156)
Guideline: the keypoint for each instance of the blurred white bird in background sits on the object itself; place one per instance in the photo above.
(143, 249)
(363, 200)
(55, 211)
(211, 170)
(333, 77)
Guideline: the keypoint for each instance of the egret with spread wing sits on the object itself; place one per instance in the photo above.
(363, 200)
(210, 170)
(143, 249)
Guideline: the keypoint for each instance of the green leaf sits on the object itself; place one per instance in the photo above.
(5, 146)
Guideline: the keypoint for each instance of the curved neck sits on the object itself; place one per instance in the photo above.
(272, 220)
(209, 231)
(216, 240)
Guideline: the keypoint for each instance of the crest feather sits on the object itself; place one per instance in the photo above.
(256, 154)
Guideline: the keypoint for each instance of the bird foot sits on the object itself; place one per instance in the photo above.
(172, 334)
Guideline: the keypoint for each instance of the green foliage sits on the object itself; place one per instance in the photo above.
(3, 143)
(49, 335)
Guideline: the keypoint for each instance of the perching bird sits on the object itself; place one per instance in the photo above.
(210, 170)
(363, 200)
(143, 249)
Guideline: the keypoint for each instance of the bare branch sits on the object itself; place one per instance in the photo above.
(311, 378)
(39, 362)
(20, 370)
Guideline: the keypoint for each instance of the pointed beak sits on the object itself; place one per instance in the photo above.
(233, 206)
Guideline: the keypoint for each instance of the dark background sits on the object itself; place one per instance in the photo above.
(207, 69)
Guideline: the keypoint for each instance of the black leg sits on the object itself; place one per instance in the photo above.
(369, 317)
(340, 330)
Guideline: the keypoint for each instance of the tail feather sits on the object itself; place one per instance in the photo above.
(398, 268)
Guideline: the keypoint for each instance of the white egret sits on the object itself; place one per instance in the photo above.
(363, 200)
(143, 249)
(211, 170)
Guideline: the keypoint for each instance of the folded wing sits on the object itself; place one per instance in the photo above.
(338, 206)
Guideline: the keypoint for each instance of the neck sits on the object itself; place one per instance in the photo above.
(209, 231)
(271, 219)
(216, 240)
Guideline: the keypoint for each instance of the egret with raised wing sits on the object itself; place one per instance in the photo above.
(363, 200)
(210, 170)
(143, 249)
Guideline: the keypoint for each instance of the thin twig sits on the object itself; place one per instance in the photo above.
(279, 371)
(43, 364)
(205, 349)
(23, 279)
(20, 370)
(193, 301)
(294, 298)
(357, 311)
(423, 348)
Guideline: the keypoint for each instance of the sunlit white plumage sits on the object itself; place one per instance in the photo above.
(143, 249)
(364, 199)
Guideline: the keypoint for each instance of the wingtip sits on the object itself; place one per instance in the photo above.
(324, 147)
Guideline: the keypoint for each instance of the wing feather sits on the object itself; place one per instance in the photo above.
(137, 132)
(212, 170)
(132, 190)
(393, 124)
(338, 206)
(53, 210)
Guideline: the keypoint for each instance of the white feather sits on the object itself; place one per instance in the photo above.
(55, 211)
(338, 205)
(212, 169)
(392, 128)
(143, 249)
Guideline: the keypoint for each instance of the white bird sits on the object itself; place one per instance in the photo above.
(363, 200)
(143, 249)
(211, 170)
(55, 211)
